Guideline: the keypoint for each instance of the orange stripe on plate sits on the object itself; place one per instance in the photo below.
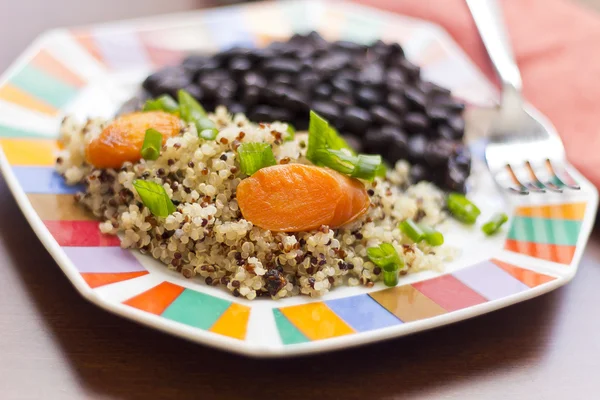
(233, 322)
(46, 62)
(89, 44)
(407, 303)
(561, 254)
(575, 211)
(19, 97)
(157, 299)
(530, 278)
(39, 152)
(316, 321)
(95, 280)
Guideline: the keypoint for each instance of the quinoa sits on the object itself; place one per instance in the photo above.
(207, 238)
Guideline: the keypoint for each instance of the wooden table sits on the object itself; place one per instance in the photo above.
(55, 345)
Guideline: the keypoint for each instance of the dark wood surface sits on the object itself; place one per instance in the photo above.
(55, 345)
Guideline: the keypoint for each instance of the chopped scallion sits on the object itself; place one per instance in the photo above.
(322, 136)
(162, 103)
(494, 224)
(209, 134)
(154, 197)
(152, 144)
(462, 209)
(254, 156)
(193, 112)
(386, 257)
(431, 236)
(290, 133)
(412, 230)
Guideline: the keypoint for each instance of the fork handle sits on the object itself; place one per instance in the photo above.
(490, 24)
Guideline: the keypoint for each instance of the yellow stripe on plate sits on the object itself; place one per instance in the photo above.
(573, 211)
(233, 322)
(19, 97)
(32, 152)
(316, 321)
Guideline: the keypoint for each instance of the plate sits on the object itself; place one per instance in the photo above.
(92, 70)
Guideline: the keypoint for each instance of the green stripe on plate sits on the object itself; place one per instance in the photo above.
(196, 309)
(12, 132)
(287, 331)
(359, 28)
(43, 86)
(544, 230)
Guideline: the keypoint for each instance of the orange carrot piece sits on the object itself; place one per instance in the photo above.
(123, 138)
(297, 197)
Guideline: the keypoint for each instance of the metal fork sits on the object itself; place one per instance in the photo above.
(524, 153)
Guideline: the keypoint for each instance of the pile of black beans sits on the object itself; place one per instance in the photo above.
(372, 94)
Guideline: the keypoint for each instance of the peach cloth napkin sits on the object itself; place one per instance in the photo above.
(557, 47)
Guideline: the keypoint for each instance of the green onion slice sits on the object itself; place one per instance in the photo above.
(193, 112)
(494, 224)
(254, 156)
(322, 136)
(162, 103)
(152, 144)
(431, 236)
(462, 209)
(209, 134)
(290, 133)
(412, 230)
(154, 197)
(384, 256)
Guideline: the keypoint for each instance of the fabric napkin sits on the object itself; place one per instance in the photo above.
(557, 47)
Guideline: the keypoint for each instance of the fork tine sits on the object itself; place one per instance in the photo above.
(557, 181)
(536, 181)
(520, 189)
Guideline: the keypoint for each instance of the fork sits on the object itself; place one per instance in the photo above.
(524, 153)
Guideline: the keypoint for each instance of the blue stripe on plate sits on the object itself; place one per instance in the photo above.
(43, 180)
(362, 313)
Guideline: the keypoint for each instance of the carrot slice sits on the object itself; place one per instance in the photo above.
(123, 138)
(297, 197)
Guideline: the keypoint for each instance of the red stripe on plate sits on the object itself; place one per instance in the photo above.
(449, 292)
(80, 234)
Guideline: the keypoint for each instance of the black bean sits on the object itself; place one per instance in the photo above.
(294, 100)
(349, 46)
(264, 113)
(449, 103)
(168, 80)
(457, 124)
(433, 90)
(342, 100)
(342, 86)
(251, 96)
(419, 173)
(307, 81)
(240, 65)
(282, 79)
(416, 148)
(384, 116)
(372, 75)
(233, 52)
(367, 96)
(326, 109)
(254, 79)
(356, 120)
(282, 65)
(445, 132)
(397, 103)
(226, 89)
(456, 180)
(330, 63)
(416, 99)
(398, 146)
(411, 70)
(438, 152)
(437, 114)
(462, 158)
(195, 91)
(261, 54)
(323, 91)
(377, 140)
(354, 142)
(237, 108)
(415, 122)
(348, 75)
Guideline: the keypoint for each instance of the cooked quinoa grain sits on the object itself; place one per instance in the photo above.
(207, 238)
